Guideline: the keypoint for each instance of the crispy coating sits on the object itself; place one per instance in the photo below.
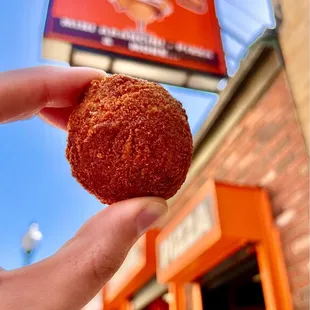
(129, 138)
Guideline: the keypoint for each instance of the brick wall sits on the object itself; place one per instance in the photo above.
(294, 40)
(267, 148)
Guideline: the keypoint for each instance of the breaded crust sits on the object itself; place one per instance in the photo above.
(129, 138)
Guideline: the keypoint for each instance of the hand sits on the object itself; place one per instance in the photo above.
(76, 273)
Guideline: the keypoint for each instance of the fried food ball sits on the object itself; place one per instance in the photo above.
(129, 138)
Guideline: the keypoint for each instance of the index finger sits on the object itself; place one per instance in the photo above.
(26, 92)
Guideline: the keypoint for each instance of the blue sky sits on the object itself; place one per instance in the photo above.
(35, 179)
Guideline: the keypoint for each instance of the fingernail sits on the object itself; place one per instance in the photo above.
(149, 215)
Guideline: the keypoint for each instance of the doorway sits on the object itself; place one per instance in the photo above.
(234, 284)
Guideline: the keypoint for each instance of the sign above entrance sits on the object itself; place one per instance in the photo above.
(194, 225)
(222, 219)
(177, 33)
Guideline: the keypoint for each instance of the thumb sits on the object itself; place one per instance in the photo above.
(78, 271)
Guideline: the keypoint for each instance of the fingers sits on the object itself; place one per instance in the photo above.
(80, 269)
(98, 249)
(25, 92)
(56, 117)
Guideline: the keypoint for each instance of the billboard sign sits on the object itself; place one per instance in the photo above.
(177, 33)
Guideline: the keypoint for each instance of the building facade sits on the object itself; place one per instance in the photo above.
(265, 148)
(257, 136)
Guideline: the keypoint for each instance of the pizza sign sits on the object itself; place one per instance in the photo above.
(177, 33)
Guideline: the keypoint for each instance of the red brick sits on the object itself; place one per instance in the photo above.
(299, 282)
(206, 170)
(280, 144)
(234, 135)
(242, 175)
(304, 169)
(283, 113)
(222, 151)
(300, 161)
(285, 161)
(276, 211)
(211, 171)
(284, 133)
(294, 183)
(268, 178)
(292, 259)
(299, 228)
(230, 161)
(302, 307)
(283, 182)
(292, 186)
(291, 149)
(303, 203)
(221, 174)
(253, 179)
(256, 172)
(273, 147)
(255, 116)
(210, 175)
(296, 135)
(248, 147)
(300, 245)
(284, 219)
(240, 180)
(244, 168)
(276, 205)
(300, 197)
(278, 96)
(300, 268)
(301, 298)
(246, 161)
(267, 131)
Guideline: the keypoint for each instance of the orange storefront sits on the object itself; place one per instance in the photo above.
(222, 251)
(240, 243)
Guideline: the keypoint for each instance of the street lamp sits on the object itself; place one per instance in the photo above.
(30, 241)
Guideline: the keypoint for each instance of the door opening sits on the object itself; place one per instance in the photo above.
(234, 284)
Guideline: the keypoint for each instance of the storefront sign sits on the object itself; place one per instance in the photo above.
(198, 222)
(179, 33)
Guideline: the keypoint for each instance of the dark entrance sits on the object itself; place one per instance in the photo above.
(234, 284)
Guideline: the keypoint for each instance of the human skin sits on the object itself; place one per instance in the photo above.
(75, 274)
